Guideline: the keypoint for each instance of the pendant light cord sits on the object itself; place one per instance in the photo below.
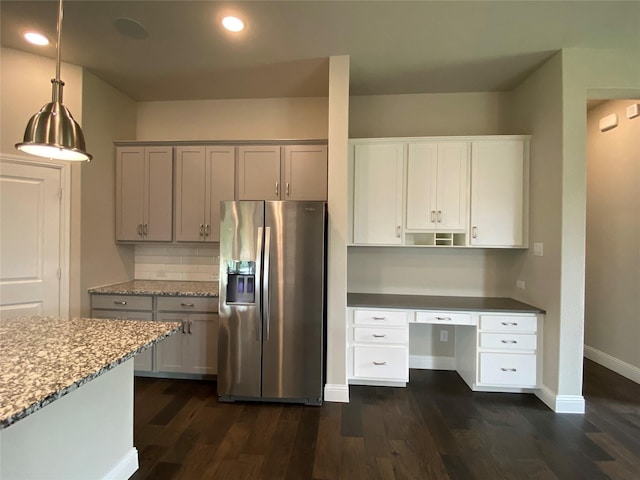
(59, 44)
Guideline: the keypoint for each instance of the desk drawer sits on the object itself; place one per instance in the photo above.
(508, 341)
(187, 304)
(509, 323)
(389, 363)
(380, 335)
(444, 318)
(510, 369)
(396, 318)
(122, 302)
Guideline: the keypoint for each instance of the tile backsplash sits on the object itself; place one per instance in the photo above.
(192, 263)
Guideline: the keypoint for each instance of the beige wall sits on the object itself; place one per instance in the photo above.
(25, 86)
(426, 114)
(251, 119)
(108, 115)
(612, 290)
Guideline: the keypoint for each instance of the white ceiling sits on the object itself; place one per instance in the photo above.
(395, 46)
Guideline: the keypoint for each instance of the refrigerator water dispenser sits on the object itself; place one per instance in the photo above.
(241, 280)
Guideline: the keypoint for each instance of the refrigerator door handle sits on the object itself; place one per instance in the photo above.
(265, 281)
(258, 280)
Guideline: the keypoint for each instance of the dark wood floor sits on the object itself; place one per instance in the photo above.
(436, 428)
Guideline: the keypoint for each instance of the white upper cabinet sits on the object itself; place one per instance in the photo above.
(377, 193)
(144, 193)
(437, 186)
(498, 193)
(204, 176)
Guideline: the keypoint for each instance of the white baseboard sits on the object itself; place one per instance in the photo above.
(612, 363)
(561, 403)
(430, 362)
(336, 393)
(125, 468)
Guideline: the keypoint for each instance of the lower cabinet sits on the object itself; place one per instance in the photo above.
(191, 352)
(378, 347)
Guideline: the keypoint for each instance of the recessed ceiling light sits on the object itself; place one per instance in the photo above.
(36, 38)
(233, 24)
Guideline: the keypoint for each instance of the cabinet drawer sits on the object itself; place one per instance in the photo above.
(187, 304)
(381, 335)
(380, 317)
(509, 323)
(508, 341)
(122, 302)
(390, 363)
(512, 369)
(121, 315)
(444, 318)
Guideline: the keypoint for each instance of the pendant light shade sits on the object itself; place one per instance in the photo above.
(52, 132)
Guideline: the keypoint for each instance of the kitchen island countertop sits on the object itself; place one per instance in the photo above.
(159, 287)
(44, 358)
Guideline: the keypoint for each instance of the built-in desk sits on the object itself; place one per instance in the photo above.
(497, 340)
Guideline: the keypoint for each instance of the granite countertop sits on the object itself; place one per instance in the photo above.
(158, 287)
(430, 302)
(44, 358)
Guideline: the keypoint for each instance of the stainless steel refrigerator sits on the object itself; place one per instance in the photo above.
(272, 301)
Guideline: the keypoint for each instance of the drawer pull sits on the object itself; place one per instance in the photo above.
(509, 341)
(510, 324)
(120, 303)
(188, 304)
(375, 335)
(379, 363)
(444, 318)
(379, 318)
(509, 369)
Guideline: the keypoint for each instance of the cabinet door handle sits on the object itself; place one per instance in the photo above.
(433, 216)
(474, 232)
(277, 189)
(140, 229)
(202, 230)
(379, 318)
(398, 231)
(379, 363)
(184, 327)
(510, 324)
(287, 189)
(509, 369)
(379, 336)
(206, 230)
(120, 303)
(509, 341)
(190, 322)
(144, 229)
(188, 304)
(439, 216)
(448, 319)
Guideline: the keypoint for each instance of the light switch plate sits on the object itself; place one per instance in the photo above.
(633, 111)
(538, 249)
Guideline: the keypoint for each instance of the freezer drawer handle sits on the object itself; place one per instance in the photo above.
(509, 341)
(510, 324)
(120, 303)
(379, 363)
(509, 369)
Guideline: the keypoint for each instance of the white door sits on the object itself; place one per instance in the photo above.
(30, 216)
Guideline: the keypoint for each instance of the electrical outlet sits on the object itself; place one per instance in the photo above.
(520, 284)
(161, 274)
(444, 335)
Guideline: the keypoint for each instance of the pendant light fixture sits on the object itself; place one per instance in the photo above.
(52, 132)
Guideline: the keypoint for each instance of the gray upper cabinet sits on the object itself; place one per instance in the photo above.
(204, 176)
(291, 172)
(144, 186)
